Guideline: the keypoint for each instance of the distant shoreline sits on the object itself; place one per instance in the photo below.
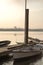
(35, 30)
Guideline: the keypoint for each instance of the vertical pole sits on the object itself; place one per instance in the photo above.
(25, 3)
(26, 24)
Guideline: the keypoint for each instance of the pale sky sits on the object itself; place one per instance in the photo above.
(12, 13)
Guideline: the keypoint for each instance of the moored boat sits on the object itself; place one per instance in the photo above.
(25, 50)
(4, 43)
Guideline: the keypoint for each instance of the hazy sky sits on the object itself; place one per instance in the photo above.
(12, 13)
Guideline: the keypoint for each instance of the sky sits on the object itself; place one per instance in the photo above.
(12, 13)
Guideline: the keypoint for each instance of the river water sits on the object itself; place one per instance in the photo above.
(15, 37)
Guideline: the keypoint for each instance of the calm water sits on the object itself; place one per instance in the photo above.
(19, 37)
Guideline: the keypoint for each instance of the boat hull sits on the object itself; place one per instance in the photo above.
(19, 55)
(4, 43)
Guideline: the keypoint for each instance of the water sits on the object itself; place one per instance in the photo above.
(19, 37)
(12, 36)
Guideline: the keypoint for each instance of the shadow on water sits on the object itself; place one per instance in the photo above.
(27, 61)
(5, 60)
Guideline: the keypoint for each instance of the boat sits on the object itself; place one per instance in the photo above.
(25, 50)
(4, 43)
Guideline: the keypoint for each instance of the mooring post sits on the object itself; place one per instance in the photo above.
(26, 25)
